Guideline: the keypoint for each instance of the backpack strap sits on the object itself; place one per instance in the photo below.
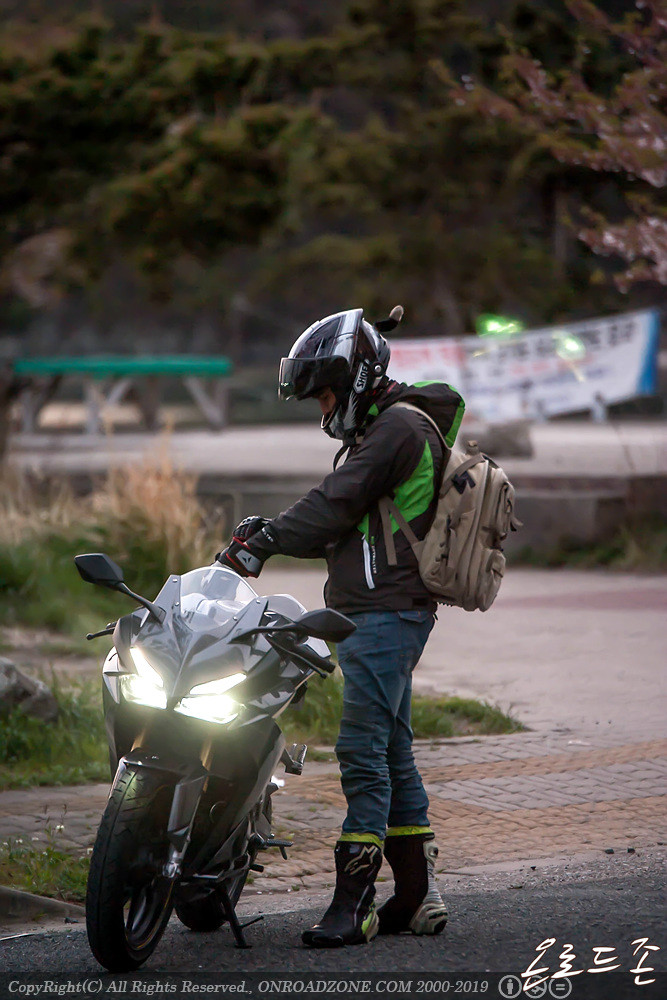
(474, 459)
(388, 508)
(422, 413)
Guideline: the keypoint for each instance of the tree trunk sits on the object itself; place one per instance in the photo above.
(10, 388)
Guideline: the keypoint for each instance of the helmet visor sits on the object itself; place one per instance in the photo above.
(303, 377)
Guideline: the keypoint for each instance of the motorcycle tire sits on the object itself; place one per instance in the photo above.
(129, 900)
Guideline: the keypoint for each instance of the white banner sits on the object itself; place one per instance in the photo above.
(540, 373)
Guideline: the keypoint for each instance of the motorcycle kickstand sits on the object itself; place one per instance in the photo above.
(236, 926)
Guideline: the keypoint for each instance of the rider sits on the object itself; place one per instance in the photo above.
(391, 451)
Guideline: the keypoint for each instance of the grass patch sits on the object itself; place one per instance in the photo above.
(452, 716)
(146, 517)
(45, 870)
(316, 719)
(70, 751)
(639, 546)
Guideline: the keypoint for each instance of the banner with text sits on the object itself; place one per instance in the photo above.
(540, 373)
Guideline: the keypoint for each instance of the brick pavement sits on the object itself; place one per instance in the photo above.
(496, 799)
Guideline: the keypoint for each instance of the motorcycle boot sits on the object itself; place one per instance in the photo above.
(416, 905)
(351, 917)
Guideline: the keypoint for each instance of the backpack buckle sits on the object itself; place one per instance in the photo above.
(459, 482)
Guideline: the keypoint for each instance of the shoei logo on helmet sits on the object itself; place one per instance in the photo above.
(361, 381)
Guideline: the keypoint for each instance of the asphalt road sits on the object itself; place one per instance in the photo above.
(497, 921)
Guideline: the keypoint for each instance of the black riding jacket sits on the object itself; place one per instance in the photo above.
(400, 456)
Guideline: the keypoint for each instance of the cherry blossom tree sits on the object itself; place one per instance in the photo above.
(616, 127)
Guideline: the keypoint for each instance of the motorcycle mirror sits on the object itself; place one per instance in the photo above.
(98, 568)
(326, 624)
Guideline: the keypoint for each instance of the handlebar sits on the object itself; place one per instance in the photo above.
(287, 645)
(316, 661)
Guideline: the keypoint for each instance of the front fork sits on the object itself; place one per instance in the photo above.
(191, 781)
(184, 807)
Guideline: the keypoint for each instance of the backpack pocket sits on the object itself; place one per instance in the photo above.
(488, 582)
(445, 555)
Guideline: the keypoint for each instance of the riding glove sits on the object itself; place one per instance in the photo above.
(238, 556)
(249, 526)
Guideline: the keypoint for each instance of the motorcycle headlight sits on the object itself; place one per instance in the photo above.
(146, 686)
(210, 702)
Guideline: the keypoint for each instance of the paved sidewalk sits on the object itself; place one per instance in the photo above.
(580, 652)
(524, 797)
(494, 800)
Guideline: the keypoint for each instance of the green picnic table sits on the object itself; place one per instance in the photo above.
(108, 378)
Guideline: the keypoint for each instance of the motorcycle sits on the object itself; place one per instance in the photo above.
(192, 689)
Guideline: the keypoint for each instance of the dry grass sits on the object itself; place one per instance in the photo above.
(160, 503)
(153, 500)
(29, 507)
(146, 517)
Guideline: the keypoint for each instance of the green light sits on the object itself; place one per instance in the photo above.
(569, 347)
(488, 325)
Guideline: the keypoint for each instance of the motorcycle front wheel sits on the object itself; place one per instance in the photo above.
(129, 900)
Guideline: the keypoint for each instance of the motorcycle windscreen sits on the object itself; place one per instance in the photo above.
(210, 596)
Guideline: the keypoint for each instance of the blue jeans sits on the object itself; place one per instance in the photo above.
(378, 773)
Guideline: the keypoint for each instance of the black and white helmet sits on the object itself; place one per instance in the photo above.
(345, 353)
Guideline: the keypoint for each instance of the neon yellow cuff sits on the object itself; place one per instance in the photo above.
(360, 838)
(407, 831)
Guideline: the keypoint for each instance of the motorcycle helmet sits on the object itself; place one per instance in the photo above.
(345, 353)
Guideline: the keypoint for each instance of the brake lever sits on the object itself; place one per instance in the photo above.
(105, 631)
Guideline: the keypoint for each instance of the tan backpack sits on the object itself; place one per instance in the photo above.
(460, 560)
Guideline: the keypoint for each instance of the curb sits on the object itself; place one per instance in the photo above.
(16, 905)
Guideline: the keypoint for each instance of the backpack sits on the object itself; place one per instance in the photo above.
(460, 560)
